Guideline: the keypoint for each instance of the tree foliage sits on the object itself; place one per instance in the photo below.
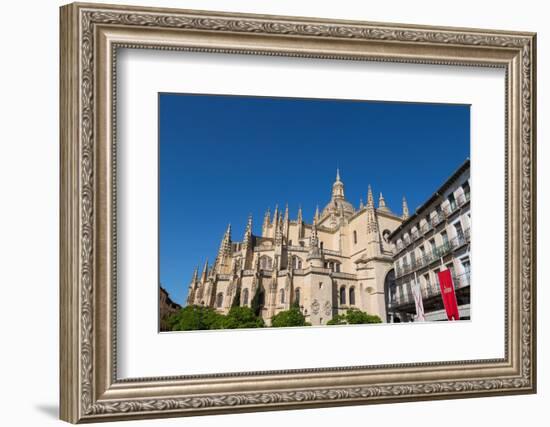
(354, 316)
(194, 317)
(242, 317)
(292, 317)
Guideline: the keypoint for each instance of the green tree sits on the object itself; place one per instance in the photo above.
(338, 319)
(292, 317)
(354, 316)
(241, 317)
(194, 317)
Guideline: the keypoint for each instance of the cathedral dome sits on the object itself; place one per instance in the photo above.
(338, 203)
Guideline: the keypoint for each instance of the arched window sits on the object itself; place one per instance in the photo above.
(297, 296)
(352, 296)
(296, 262)
(245, 297)
(219, 300)
(342, 295)
(282, 292)
(265, 263)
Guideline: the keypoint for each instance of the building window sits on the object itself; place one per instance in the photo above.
(444, 238)
(427, 283)
(352, 296)
(459, 232)
(337, 267)
(342, 295)
(355, 237)
(452, 202)
(320, 285)
(219, 300)
(282, 292)
(451, 268)
(290, 243)
(265, 262)
(466, 189)
(465, 266)
(245, 297)
(433, 247)
(302, 243)
(321, 245)
(297, 296)
(296, 262)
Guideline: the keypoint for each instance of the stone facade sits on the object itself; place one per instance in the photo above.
(435, 238)
(339, 260)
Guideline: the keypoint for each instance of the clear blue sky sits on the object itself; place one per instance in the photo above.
(223, 157)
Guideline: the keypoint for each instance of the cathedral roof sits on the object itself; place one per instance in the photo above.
(338, 204)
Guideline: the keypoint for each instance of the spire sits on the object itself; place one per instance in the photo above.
(300, 218)
(370, 199)
(279, 230)
(286, 223)
(372, 223)
(382, 204)
(314, 251)
(225, 249)
(247, 233)
(405, 209)
(337, 187)
(265, 225)
(361, 205)
(195, 275)
(381, 201)
(204, 274)
(275, 215)
(316, 216)
(285, 220)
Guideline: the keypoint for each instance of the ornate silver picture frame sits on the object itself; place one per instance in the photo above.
(91, 391)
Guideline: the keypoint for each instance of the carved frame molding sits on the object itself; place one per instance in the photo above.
(90, 36)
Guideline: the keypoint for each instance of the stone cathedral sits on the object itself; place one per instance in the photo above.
(339, 261)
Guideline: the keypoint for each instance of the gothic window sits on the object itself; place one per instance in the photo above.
(265, 262)
(352, 296)
(297, 262)
(337, 267)
(297, 296)
(245, 297)
(355, 237)
(219, 300)
(342, 295)
(282, 293)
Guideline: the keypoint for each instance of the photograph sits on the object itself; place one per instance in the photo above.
(292, 212)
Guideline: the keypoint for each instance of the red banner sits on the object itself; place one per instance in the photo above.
(448, 294)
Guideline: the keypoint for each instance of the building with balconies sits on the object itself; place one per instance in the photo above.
(435, 238)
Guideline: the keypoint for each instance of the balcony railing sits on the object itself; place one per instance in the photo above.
(426, 227)
(435, 254)
(405, 296)
(438, 218)
(463, 198)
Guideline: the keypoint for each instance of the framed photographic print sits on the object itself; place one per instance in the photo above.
(265, 212)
